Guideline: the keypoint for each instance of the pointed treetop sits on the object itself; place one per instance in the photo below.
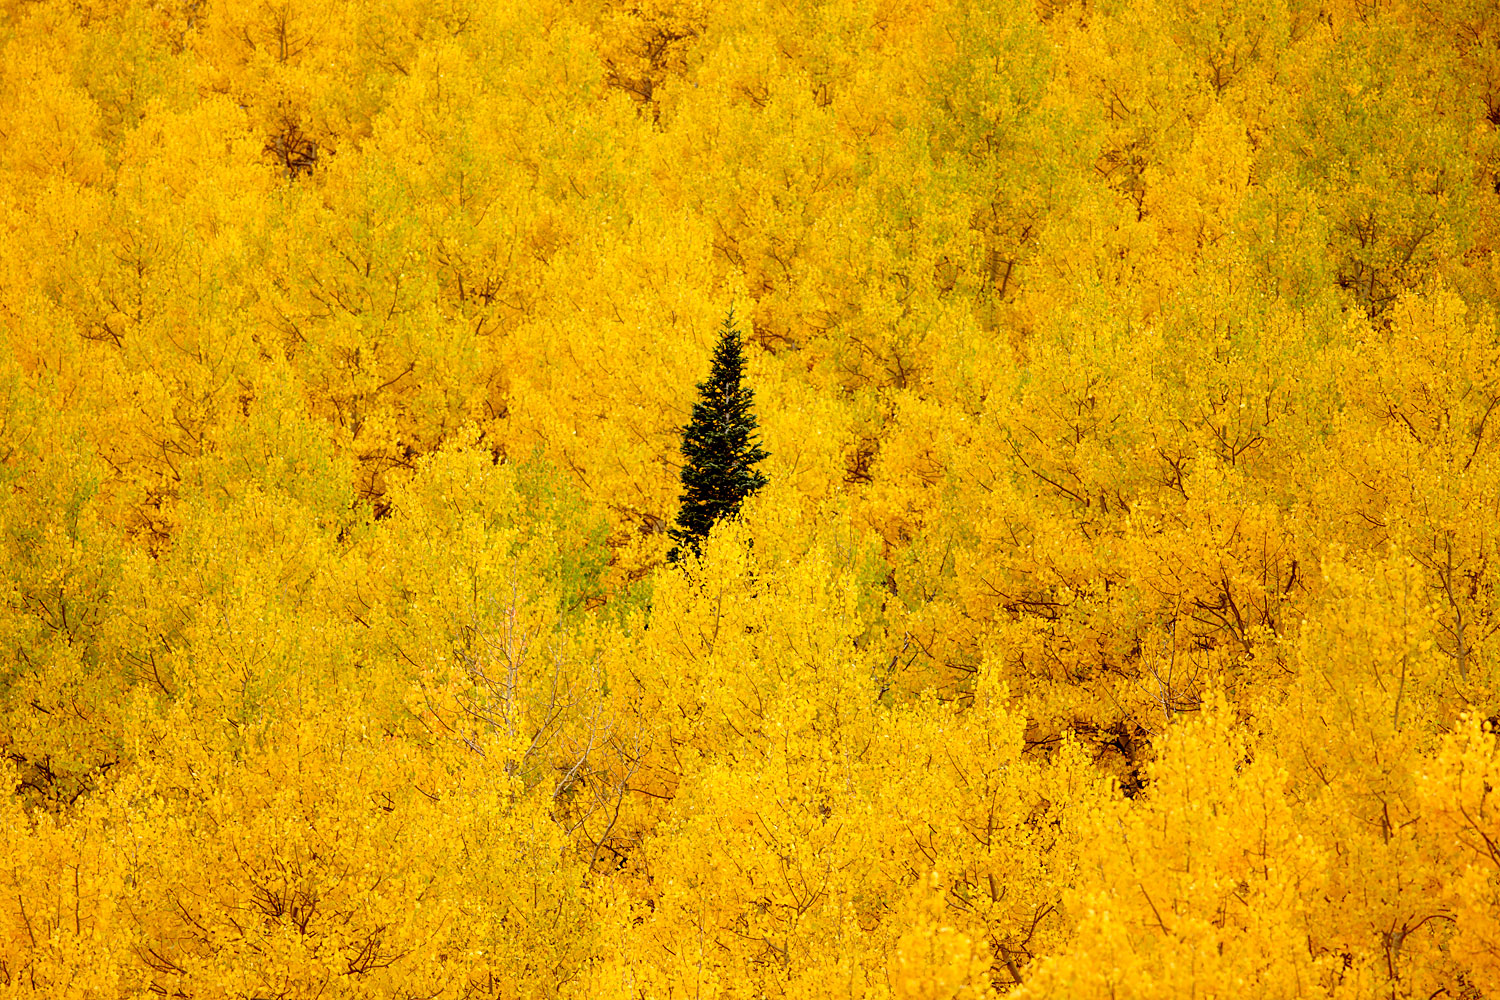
(720, 446)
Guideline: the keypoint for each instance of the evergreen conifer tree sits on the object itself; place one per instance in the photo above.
(719, 446)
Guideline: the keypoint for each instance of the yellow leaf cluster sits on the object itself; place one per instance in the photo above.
(1121, 617)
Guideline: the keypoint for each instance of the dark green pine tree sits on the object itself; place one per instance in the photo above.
(719, 447)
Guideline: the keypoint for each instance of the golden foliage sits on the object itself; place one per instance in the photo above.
(1120, 618)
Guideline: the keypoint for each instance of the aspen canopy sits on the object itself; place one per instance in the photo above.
(1118, 615)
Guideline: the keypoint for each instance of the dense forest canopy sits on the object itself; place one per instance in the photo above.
(1118, 619)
